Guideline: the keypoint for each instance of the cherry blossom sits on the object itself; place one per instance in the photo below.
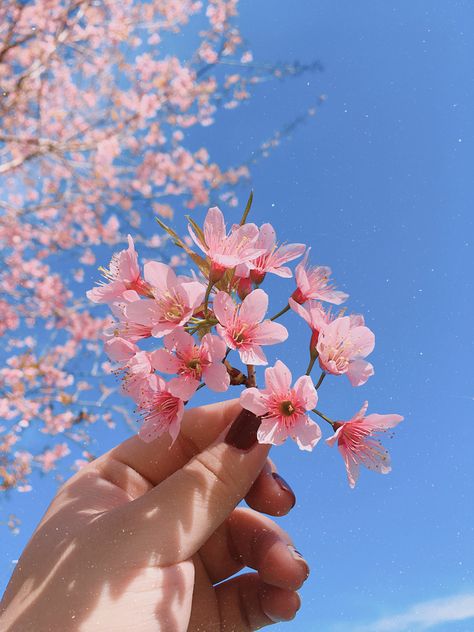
(163, 407)
(226, 251)
(173, 302)
(313, 283)
(342, 347)
(242, 328)
(357, 445)
(315, 316)
(193, 362)
(273, 258)
(283, 408)
(123, 274)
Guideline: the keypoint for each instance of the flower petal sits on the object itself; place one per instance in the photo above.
(224, 308)
(269, 333)
(253, 355)
(359, 372)
(253, 400)
(306, 392)
(254, 307)
(164, 361)
(278, 378)
(214, 228)
(216, 377)
(306, 433)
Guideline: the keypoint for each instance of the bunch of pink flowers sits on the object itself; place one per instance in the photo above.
(206, 320)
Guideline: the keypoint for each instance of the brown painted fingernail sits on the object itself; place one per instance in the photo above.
(298, 556)
(243, 432)
(285, 487)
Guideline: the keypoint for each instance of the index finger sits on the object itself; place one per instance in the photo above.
(156, 461)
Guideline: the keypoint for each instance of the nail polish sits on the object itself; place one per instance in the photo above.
(285, 487)
(298, 556)
(243, 432)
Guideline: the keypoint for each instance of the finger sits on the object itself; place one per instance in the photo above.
(157, 460)
(270, 493)
(189, 505)
(246, 603)
(247, 538)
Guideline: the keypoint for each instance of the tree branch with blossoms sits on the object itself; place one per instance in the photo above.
(200, 321)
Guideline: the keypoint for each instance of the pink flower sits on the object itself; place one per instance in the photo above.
(315, 316)
(123, 274)
(136, 364)
(283, 408)
(226, 251)
(356, 443)
(241, 327)
(342, 347)
(192, 362)
(163, 404)
(173, 304)
(272, 259)
(313, 283)
(124, 327)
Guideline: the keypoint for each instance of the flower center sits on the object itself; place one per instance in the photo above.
(194, 364)
(287, 408)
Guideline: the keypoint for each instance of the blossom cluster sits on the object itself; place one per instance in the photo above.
(208, 322)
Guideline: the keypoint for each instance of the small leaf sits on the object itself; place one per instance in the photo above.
(247, 209)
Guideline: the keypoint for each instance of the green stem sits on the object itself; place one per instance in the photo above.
(206, 296)
(330, 421)
(311, 363)
(247, 209)
(320, 381)
(280, 313)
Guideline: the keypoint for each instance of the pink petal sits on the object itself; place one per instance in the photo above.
(224, 308)
(281, 271)
(382, 422)
(306, 433)
(363, 339)
(183, 387)
(266, 237)
(193, 293)
(278, 378)
(254, 307)
(300, 310)
(359, 372)
(159, 275)
(335, 437)
(179, 341)
(289, 252)
(163, 328)
(301, 275)
(120, 350)
(269, 333)
(352, 467)
(333, 296)
(213, 347)
(144, 312)
(214, 228)
(216, 377)
(253, 400)
(106, 293)
(164, 361)
(306, 392)
(253, 355)
(270, 431)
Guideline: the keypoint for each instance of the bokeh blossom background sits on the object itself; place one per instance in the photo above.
(379, 182)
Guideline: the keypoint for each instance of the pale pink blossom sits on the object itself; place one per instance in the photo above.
(273, 258)
(342, 348)
(163, 407)
(242, 328)
(193, 362)
(314, 283)
(283, 408)
(226, 251)
(315, 316)
(123, 274)
(173, 304)
(123, 327)
(357, 445)
(135, 364)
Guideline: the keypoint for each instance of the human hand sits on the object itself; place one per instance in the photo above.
(144, 535)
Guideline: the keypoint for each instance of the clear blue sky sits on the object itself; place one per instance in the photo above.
(380, 184)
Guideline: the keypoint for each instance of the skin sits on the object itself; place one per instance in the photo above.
(140, 537)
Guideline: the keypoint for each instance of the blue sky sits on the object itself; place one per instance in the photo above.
(379, 183)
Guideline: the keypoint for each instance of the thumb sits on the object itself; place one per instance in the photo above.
(174, 519)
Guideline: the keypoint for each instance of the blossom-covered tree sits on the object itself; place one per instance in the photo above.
(94, 141)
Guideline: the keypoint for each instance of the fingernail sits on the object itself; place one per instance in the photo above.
(298, 556)
(243, 432)
(285, 487)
